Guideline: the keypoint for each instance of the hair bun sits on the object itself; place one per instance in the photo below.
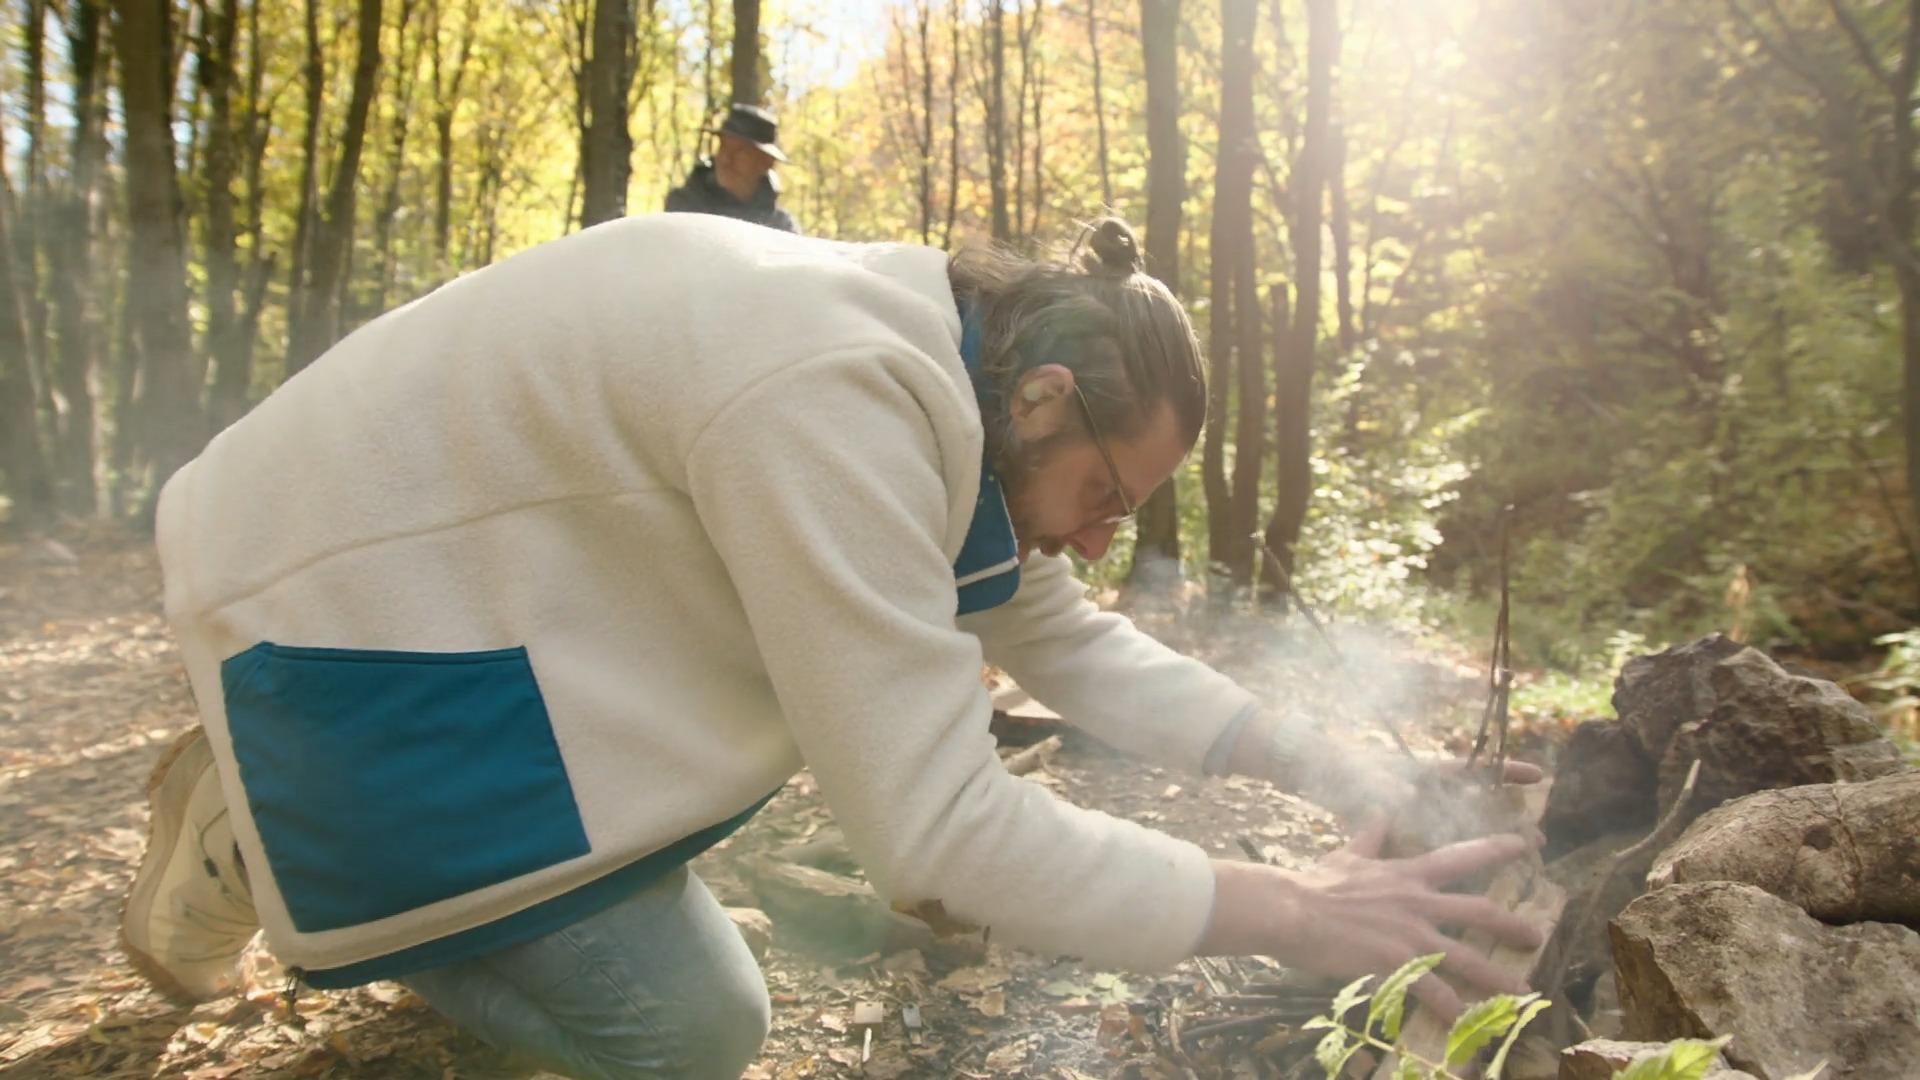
(1113, 250)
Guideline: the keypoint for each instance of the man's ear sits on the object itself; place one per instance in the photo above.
(1040, 404)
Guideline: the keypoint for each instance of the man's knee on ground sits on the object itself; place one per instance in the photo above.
(713, 1033)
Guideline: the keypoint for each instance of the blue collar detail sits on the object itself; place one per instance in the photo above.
(987, 573)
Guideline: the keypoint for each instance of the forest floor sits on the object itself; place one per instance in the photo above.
(91, 691)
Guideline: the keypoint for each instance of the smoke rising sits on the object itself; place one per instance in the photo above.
(1338, 690)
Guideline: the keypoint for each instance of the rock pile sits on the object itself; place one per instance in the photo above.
(1784, 915)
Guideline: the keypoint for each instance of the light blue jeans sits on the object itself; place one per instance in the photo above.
(659, 985)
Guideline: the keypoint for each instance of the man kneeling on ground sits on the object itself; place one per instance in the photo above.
(528, 592)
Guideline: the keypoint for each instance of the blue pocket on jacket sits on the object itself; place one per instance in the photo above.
(384, 781)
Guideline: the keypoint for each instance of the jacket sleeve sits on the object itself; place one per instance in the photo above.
(1103, 674)
(784, 221)
(821, 488)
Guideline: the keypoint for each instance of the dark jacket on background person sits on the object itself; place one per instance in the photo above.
(703, 194)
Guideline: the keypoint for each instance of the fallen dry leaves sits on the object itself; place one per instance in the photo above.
(90, 691)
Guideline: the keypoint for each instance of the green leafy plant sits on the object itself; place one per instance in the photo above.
(1501, 1017)
(1689, 1059)
(1896, 687)
(1497, 1018)
(1683, 1059)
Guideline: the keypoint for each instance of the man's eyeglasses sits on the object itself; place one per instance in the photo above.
(1119, 489)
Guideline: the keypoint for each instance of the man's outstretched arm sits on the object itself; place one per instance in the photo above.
(1103, 674)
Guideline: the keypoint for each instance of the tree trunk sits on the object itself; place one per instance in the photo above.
(72, 288)
(231, 401)
(924, 11)
(1341, 226)
(31, 211)
(1906, 261)
(319, 324)
(214, 71)
(304, 223)
(1158, 541)
(1023, 32)
(581, 18)
(122, 443)
(167, 423)
(1294, 361)
(1909, 283)
(746, 52)
(1032, 56)
(1249, 440)
(490, 154)
(1250, 433)
(1293, 453)
(912, 136)
(446, 98)
(23, 462)
(1099, 104)
(706, 59)
(384, 217)
(953, 126)
(34, 213)
(1232, 239)
(997, 119)
(606, 150)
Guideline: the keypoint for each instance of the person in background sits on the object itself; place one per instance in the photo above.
(738, 181)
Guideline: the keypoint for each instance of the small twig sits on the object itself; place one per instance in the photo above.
(1253, 850)
(1173, 1037)
(1283, 992)
(1214, 985)
(1034, 757)
(1494, 718)
(1669, 828)
(1266, 1001)
(1504, 656)
(1238, 1023)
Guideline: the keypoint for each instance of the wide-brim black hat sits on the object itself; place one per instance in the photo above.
(757, 126)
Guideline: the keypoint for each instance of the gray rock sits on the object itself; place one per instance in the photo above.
(1655, 695)
(1842, 852)
(1768, 729)
(1722, 958)
(1605, 783)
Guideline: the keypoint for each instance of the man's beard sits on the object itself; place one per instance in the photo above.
(1015, 462)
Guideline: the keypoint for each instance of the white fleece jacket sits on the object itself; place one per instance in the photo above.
(712, 479)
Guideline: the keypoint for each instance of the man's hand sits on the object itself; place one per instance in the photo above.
(1354, 913)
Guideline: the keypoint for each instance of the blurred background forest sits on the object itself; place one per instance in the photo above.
(1643, 270)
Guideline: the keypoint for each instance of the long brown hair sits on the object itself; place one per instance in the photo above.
(1096, 312)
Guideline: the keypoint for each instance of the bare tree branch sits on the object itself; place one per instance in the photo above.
(1782, 50)
(1862, 45)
